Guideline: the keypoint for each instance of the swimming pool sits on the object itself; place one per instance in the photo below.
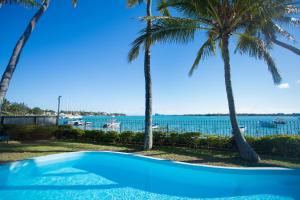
(108, 175)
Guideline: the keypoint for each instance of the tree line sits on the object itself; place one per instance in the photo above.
(17, 109)
(21, 109)
(91, 113)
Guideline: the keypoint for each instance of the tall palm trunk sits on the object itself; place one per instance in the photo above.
(245, 149)
(148, 140)
(287, 46)
(14, 59)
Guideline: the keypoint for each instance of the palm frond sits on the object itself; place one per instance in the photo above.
(162, 8)
(136, 46)
(174, 30)
(193, 9)
(132, 3)
(283, 32)
(207, 49)
(257, 49)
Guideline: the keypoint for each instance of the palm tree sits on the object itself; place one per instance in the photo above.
(14, 59)
(148, 136)
(220, 19)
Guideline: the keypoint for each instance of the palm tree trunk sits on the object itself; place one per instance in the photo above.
(14, 59)
(245, 149)
(148, 138)
(286, 46)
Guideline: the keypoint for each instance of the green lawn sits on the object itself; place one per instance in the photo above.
(23, 150)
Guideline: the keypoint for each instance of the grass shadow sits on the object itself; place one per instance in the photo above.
(202, 156)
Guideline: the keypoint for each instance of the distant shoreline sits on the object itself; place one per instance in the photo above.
(241, 114)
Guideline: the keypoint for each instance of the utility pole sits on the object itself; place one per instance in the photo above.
(58, 110)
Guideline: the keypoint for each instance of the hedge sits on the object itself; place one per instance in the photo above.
(282, 145)
(29, 132)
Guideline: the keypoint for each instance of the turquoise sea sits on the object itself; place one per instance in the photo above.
(251, 125)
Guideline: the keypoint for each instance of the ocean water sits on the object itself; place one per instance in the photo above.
(106, 175)
(251, 125)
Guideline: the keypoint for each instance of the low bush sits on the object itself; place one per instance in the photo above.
(92, 135)
(188, 139)
(110, 137)
(29, 132)
(43, 133)
(138, 138)
(126, 137)
(159, 138)
(282, 145)
(172, 139)
(67, 132)
(217, 142)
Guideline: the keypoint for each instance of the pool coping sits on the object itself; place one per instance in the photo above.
(44, 158)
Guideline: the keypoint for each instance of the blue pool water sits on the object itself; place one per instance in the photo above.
(106, 175)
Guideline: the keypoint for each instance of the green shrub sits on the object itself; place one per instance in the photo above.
(29, 132)
(138, 138)
(172, 139)
(100, 136)
(17, 132)
(127, 137)
(93, 135)
(188, 139)
(67, 132)
(159, 138)
(111, 137)
(43, 132)
(282, 145)
(217, 142)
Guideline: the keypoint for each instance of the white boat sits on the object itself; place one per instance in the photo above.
(75, 123)
(70, 116)
(69, 122)
(112, 124)
(243, 129)
(88, 123)
(155, 126)
(279, 121)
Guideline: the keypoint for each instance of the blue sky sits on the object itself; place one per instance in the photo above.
(81, 54)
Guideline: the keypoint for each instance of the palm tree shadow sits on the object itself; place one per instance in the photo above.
(211, 157)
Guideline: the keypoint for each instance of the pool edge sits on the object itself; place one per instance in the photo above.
(53, 156)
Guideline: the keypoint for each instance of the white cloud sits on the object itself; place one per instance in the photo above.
(298, 81)
(284, 86)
